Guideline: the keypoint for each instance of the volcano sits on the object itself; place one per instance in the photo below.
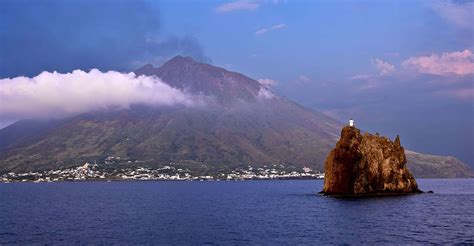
(241, 123)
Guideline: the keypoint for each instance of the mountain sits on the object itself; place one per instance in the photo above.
(424, 166)
(242, 123)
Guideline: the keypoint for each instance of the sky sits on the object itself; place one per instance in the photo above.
(395, 67)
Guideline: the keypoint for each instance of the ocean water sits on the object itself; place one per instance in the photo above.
(285, 212)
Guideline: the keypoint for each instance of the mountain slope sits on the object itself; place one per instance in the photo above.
(155, 137)
(238, 126)
(22, 130)
(426, 166)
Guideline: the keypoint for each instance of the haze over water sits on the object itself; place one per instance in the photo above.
(249, 212)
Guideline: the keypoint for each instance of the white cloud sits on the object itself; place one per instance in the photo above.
(267, 82)
(459, 14)
(457, 63)
(272, 28)
(265, 93)
(57, 95)
(237, 5)
(383, 67)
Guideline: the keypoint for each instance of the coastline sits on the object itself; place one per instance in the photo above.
(88, 172)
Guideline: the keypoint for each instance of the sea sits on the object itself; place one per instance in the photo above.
(278, 212)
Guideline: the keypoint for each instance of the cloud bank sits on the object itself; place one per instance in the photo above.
(58, 95)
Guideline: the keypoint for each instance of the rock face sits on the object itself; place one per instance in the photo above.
(366, 164)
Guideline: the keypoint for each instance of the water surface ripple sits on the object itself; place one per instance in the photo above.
(238, 212)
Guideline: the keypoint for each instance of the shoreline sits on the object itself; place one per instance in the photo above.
(219, 180)
(161, 180)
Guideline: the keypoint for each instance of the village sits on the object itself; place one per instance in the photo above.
(166, 173)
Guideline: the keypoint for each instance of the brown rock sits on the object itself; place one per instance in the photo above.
(364, 165)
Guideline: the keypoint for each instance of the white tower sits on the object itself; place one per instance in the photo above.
(351, 122)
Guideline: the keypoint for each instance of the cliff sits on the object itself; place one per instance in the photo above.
(366, 164)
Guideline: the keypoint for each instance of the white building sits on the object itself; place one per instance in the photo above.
(351, 122)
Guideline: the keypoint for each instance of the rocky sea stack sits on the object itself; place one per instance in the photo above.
(367, 165)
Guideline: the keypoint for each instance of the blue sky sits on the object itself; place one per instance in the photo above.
(394, 66)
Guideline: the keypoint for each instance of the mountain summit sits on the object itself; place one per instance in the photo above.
(241, 124)
(189, 75)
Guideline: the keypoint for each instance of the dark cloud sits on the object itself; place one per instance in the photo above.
(83, 34)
